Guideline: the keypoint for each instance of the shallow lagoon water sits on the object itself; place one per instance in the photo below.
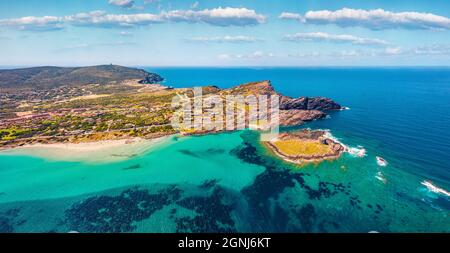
(229, 182)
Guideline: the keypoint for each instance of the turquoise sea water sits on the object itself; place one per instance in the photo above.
(228, 182)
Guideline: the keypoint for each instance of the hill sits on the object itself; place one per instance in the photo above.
(51, 77)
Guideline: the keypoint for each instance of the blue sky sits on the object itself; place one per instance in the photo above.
(225, 32)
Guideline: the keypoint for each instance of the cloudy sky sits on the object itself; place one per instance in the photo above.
(225, 32)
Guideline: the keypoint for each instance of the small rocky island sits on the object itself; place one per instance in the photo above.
(305, 146)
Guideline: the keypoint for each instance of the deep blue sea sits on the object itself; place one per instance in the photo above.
(405, 111)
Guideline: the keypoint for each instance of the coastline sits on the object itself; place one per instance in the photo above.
(105, 151)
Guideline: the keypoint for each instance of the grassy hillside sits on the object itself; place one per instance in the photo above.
(50, 77)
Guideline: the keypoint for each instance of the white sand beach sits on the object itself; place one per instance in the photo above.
(90, 152)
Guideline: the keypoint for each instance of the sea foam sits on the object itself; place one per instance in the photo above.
(433, 188)
(381, 177)
(358, 151)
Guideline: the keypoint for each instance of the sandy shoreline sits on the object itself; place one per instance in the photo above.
(89, 152)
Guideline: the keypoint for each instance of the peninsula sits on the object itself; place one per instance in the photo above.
(52, 105)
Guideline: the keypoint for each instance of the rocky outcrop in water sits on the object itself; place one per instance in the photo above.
(310, 146)
(309, 103)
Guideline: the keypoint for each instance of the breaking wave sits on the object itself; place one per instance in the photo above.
(358, 151)
(433, 188)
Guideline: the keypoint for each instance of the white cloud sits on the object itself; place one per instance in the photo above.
(46, 23)
(225, 39)
(77, 46)
(125, 34)
(290, 15)
(351, 53)
(219, 17)
(432, 50)
(95, 45)
(249, 56)
(122, 3)
(429, 50)
(376, 19)
(388, 52)
(336, 38)
(102, 19)
(257, 54)
(392, 51)
(224, 56)
(305, 54)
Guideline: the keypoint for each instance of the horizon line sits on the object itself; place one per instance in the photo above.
(229, 66)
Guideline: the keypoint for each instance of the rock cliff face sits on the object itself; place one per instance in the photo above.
(297, 117)
(306, 103)
(293, 111)
(151, 78)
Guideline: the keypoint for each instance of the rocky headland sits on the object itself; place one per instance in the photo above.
(71, 105)
(293, 111)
